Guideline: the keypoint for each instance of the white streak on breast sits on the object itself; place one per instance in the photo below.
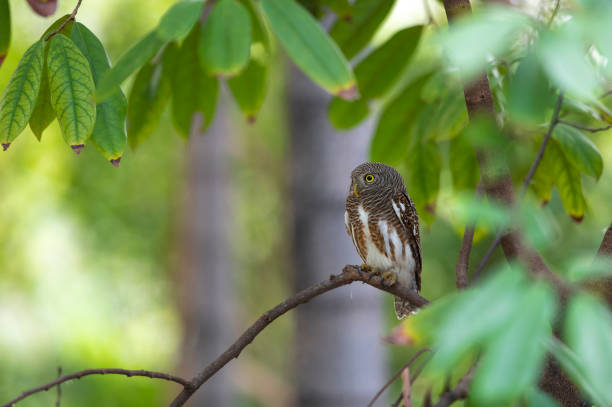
(384, 231)
(374, 258)
(402, 206)
(396, 209)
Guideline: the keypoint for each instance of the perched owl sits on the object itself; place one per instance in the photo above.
(383, 223)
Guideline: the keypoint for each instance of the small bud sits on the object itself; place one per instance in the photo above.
(116, 162)
(77, 148)
(5, 146)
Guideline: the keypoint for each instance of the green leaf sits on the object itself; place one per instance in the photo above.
(225, 41)
(43, 114)
(567, 180)
(494, 30)
(537, 398)
(588, 332)
(259, 30)
(128, 63)
(423, 166)
(367, 16)
(20, 94)
(529, 93)
(193, 91)
(577, 370)
(180, 18)
(579, 150)
(147, 99)
(5, 29)
(381, 69)
(249, 88)
(542, 182)
(344, 114)
(310, 47)
(109, 135)
(513, 359)
(463, 164)
(72, 87)
(392, 137)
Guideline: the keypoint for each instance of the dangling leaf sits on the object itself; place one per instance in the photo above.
(249, 88)
(225, 42)
(542, 182)
(147, 99)
(310, 47)
(180, 18)
(43, 8)
(109, 134)
(127, 64)
(20, 94)
(366, 17)
(579, 150)
(43, 114)
(463, 164)
(193, 91)
(392, 137)
(5, 29)
(423, 164)
(72, 88)
(344, 114)
(567, 180)
(382, 68)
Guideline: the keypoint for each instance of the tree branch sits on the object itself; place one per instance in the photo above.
(349, 275)
(70, 18)
(89, 372)
(605, 249)
(396, 375)
(463, 263)
(459, 392)
(586, 128)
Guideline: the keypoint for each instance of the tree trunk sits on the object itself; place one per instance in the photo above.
(205, 291)
(340, 355)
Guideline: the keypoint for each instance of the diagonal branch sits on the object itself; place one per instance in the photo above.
(459, 392)
(463, 263)
(89, 372)
(349, 275)
(66, 21)
(586, 128)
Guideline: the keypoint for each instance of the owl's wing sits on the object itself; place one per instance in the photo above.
(410, 220)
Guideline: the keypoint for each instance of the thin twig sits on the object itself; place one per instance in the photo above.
(349, 275)
(585, 128)
(532, 170)
(554, 13)
(406, 388)
(396, 375)
(463, 264)
(414, 376)
(459, 392)
(70, 18)
(59, 388)
(88, 372)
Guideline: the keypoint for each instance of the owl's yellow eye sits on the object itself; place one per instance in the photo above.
(369, 178)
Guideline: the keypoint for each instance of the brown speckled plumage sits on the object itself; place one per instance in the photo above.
(391, 240)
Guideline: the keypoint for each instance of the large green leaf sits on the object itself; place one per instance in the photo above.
(567, 180)
(542, 182)
(344, 114)
(588, 332)
(72, 88)
(127, 64)
(20, 94)
(147, 99)
(577, 369)
(579, 150)
(463, 164)
(310, 47)
(513, 359)
(43, 114)
(225, 42)
(381, 69)
(180, 18)
(109, 134)
(354, 34)
(249, 88)
(193, 91)
(423, 164)
(529, 93)
(5, 29)
(392, 137)
(494, 30)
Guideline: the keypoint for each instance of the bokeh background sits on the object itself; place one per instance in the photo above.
(162, 263)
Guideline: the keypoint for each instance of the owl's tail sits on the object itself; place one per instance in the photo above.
(403, 308)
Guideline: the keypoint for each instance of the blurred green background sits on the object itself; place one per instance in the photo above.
(89, 255)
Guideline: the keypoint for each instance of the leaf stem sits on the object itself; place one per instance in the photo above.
(70, 18)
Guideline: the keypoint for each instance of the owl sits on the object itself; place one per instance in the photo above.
(383, 223)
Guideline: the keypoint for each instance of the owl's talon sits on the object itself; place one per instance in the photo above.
(389, 278)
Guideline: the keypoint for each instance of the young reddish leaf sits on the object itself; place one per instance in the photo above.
(43, 8)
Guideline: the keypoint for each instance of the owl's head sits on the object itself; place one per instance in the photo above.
(375, 177)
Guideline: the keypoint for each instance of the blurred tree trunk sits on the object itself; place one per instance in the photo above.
(340, 355)
(205, 286)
